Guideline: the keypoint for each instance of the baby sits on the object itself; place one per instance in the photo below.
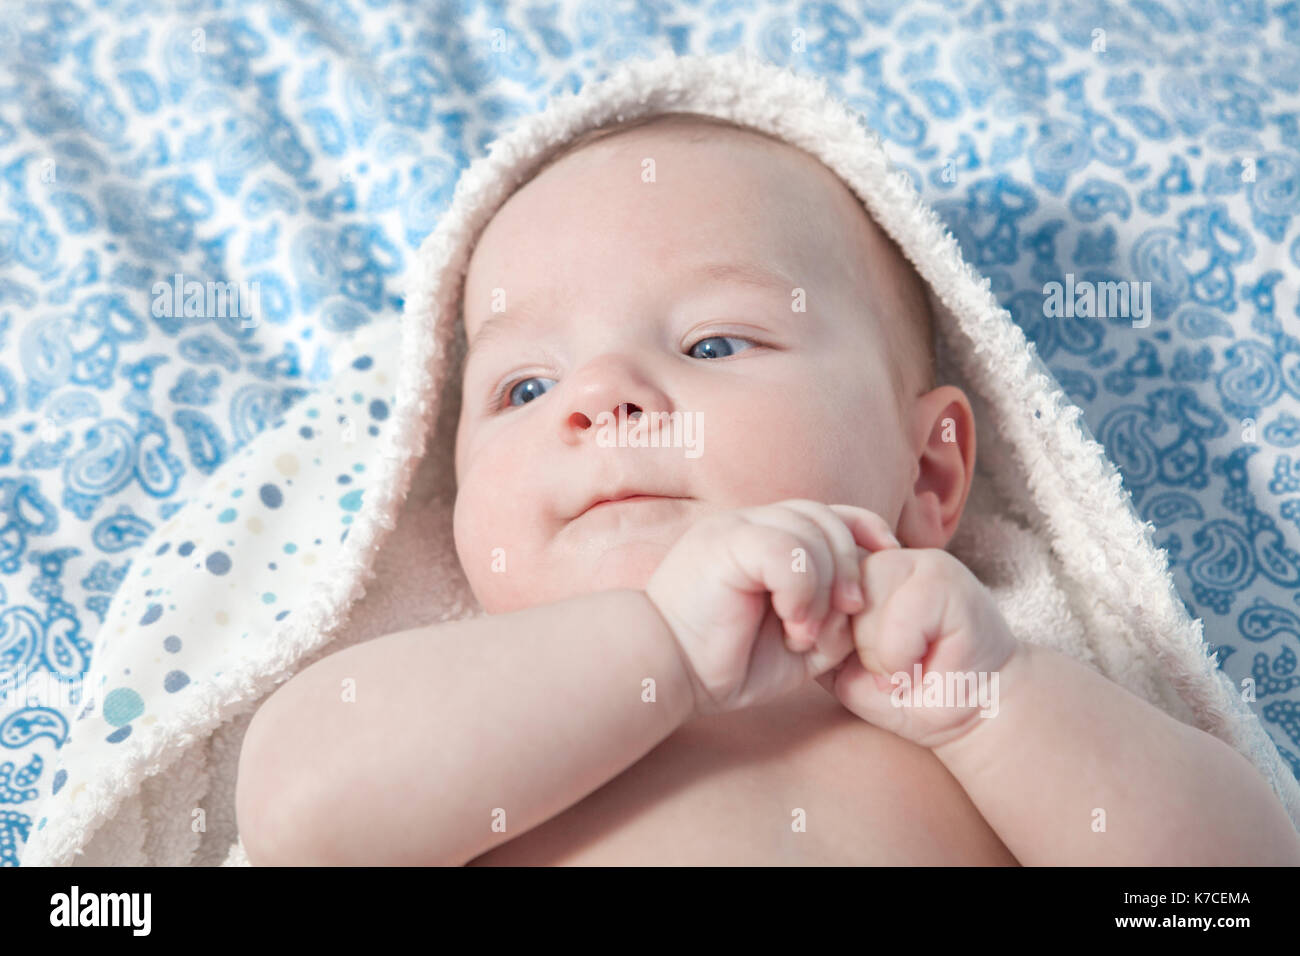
(699, 655)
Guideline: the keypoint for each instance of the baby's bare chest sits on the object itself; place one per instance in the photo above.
(799, 782)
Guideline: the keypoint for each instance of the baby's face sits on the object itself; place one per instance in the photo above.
(743, 289)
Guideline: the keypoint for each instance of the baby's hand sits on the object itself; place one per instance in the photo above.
(923, 605)
(740, 647)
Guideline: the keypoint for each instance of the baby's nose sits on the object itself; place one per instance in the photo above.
(580, 421)
(608, 390)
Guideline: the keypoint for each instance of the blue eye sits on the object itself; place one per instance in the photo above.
(528, 394)
(717, 352)
(528, 389)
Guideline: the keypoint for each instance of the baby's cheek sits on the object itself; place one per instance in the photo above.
(750, 466)
(475, 532)
(491, 531)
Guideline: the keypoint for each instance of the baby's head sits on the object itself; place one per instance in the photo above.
(733, 289)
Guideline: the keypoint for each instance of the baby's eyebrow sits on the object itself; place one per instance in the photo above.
(752, 274)
(743, 273)
(494, 328)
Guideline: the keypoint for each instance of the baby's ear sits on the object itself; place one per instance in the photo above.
(943, 436)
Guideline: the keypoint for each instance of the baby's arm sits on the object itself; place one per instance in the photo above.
(528, 712)
(1067, 743)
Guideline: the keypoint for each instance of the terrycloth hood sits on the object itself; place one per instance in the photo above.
(1048, 527)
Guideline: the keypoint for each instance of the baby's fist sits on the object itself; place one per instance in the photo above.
(924, 607)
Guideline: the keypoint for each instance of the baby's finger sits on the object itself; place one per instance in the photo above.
(848, 588)
(868, 695)
(817, 562)
(762, 553)
(891, 634)
(834, 646)
(868, 528)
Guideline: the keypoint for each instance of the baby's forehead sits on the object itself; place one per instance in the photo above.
(723, 191)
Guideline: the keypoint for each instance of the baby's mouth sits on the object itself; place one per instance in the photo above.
(628, 503)
(610, 502)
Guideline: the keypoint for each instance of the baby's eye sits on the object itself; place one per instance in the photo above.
(527, 389)
(527, 394)
(715, 351)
